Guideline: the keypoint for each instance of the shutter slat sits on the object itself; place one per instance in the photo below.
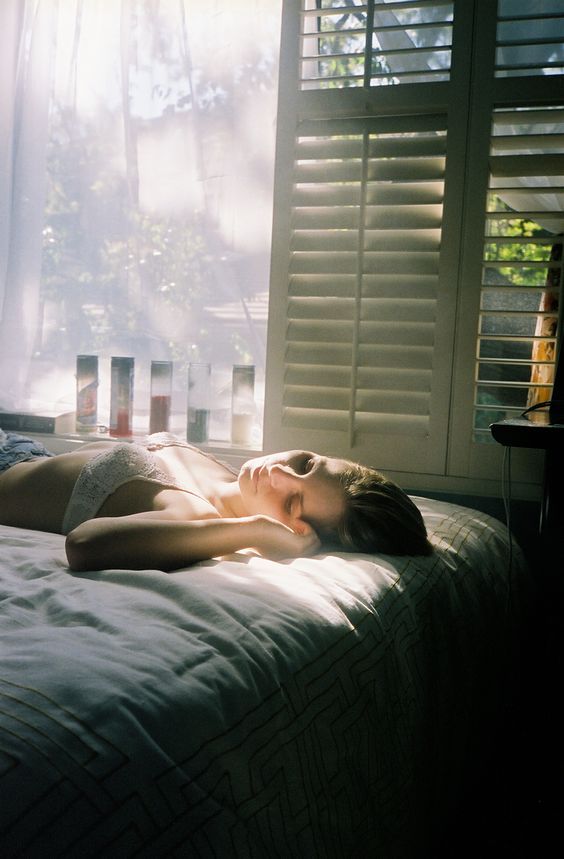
(393, 425)
(404, 169)
(313, 376)
(393, 402)
(302, 418)
(409, 147)
(391, 332)
(415, 239)
(321, 308)
(332, 171)
(338, 218)
(527, 165)
(404, 217)
(545, 142)
(406, 263)
(395, 355)
(332, 399)
(370, 378)
(343, 263)
(322, 285)
(326, 354)
(398, 286)
(406, 310)
(325, 240)
(404, 194)
(328, 148)
(542, 116)
(320, 331)
(319, 194)
(386, 424)
(395, 378)
(372, 310)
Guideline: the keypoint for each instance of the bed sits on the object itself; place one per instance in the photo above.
(320, 707)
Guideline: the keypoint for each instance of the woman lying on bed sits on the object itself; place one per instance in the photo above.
(164, 504)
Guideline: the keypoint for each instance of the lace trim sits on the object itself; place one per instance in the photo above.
(103, 474)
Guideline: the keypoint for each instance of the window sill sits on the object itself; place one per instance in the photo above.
(67, 442)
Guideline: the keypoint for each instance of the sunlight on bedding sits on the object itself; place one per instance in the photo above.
(289, 706)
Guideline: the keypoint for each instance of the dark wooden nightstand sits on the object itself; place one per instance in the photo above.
(537, 432)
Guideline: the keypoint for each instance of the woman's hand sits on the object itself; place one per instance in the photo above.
(275, 540)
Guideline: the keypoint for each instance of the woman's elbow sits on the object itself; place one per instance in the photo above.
(78, 551)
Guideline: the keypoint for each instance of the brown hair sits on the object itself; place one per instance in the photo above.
(379, 516)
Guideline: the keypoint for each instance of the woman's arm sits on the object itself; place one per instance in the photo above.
(149, 541)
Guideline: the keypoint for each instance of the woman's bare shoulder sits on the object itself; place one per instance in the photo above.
(152, 499)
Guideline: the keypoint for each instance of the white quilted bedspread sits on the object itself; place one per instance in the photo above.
(242, 707)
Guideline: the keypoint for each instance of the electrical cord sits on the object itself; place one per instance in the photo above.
(537, 406)
(550, 404)
(506, 497)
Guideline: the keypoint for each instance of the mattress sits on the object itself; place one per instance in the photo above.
(319, 707)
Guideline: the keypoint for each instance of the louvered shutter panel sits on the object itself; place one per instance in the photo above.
(374, 43)
(365, 245)
(359, 342)
(408, 316)
(510, 279)
(362, 294)
(522, 263)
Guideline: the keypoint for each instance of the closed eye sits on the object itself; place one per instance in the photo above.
(306, 464)
(293, 505)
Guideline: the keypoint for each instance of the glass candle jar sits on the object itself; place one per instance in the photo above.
(199, 380)
(242, 404)
(161, 389)
(86, 393)
(121, 397)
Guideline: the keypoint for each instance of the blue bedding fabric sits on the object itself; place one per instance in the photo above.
(16, 448)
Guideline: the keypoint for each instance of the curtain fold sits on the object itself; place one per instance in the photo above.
(26, 32)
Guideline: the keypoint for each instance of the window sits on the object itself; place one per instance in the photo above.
(143, 136)
(414, 281)
(419, 198)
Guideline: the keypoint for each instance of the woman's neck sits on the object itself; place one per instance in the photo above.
(226, 498)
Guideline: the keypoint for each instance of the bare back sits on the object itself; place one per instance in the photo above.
(35, 494)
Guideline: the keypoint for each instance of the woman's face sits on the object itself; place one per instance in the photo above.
(294, 486)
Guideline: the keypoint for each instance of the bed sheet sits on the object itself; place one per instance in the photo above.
(244, 707)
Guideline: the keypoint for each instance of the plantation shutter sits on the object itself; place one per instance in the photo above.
(360, 339)
(365, 243)
(522, 263)
(511, 279)
(405, 313)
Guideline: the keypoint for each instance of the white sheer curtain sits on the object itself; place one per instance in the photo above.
(137, 151)
(26, 31)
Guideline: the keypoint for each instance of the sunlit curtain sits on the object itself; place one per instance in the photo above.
(137, 147)
(26, 31)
